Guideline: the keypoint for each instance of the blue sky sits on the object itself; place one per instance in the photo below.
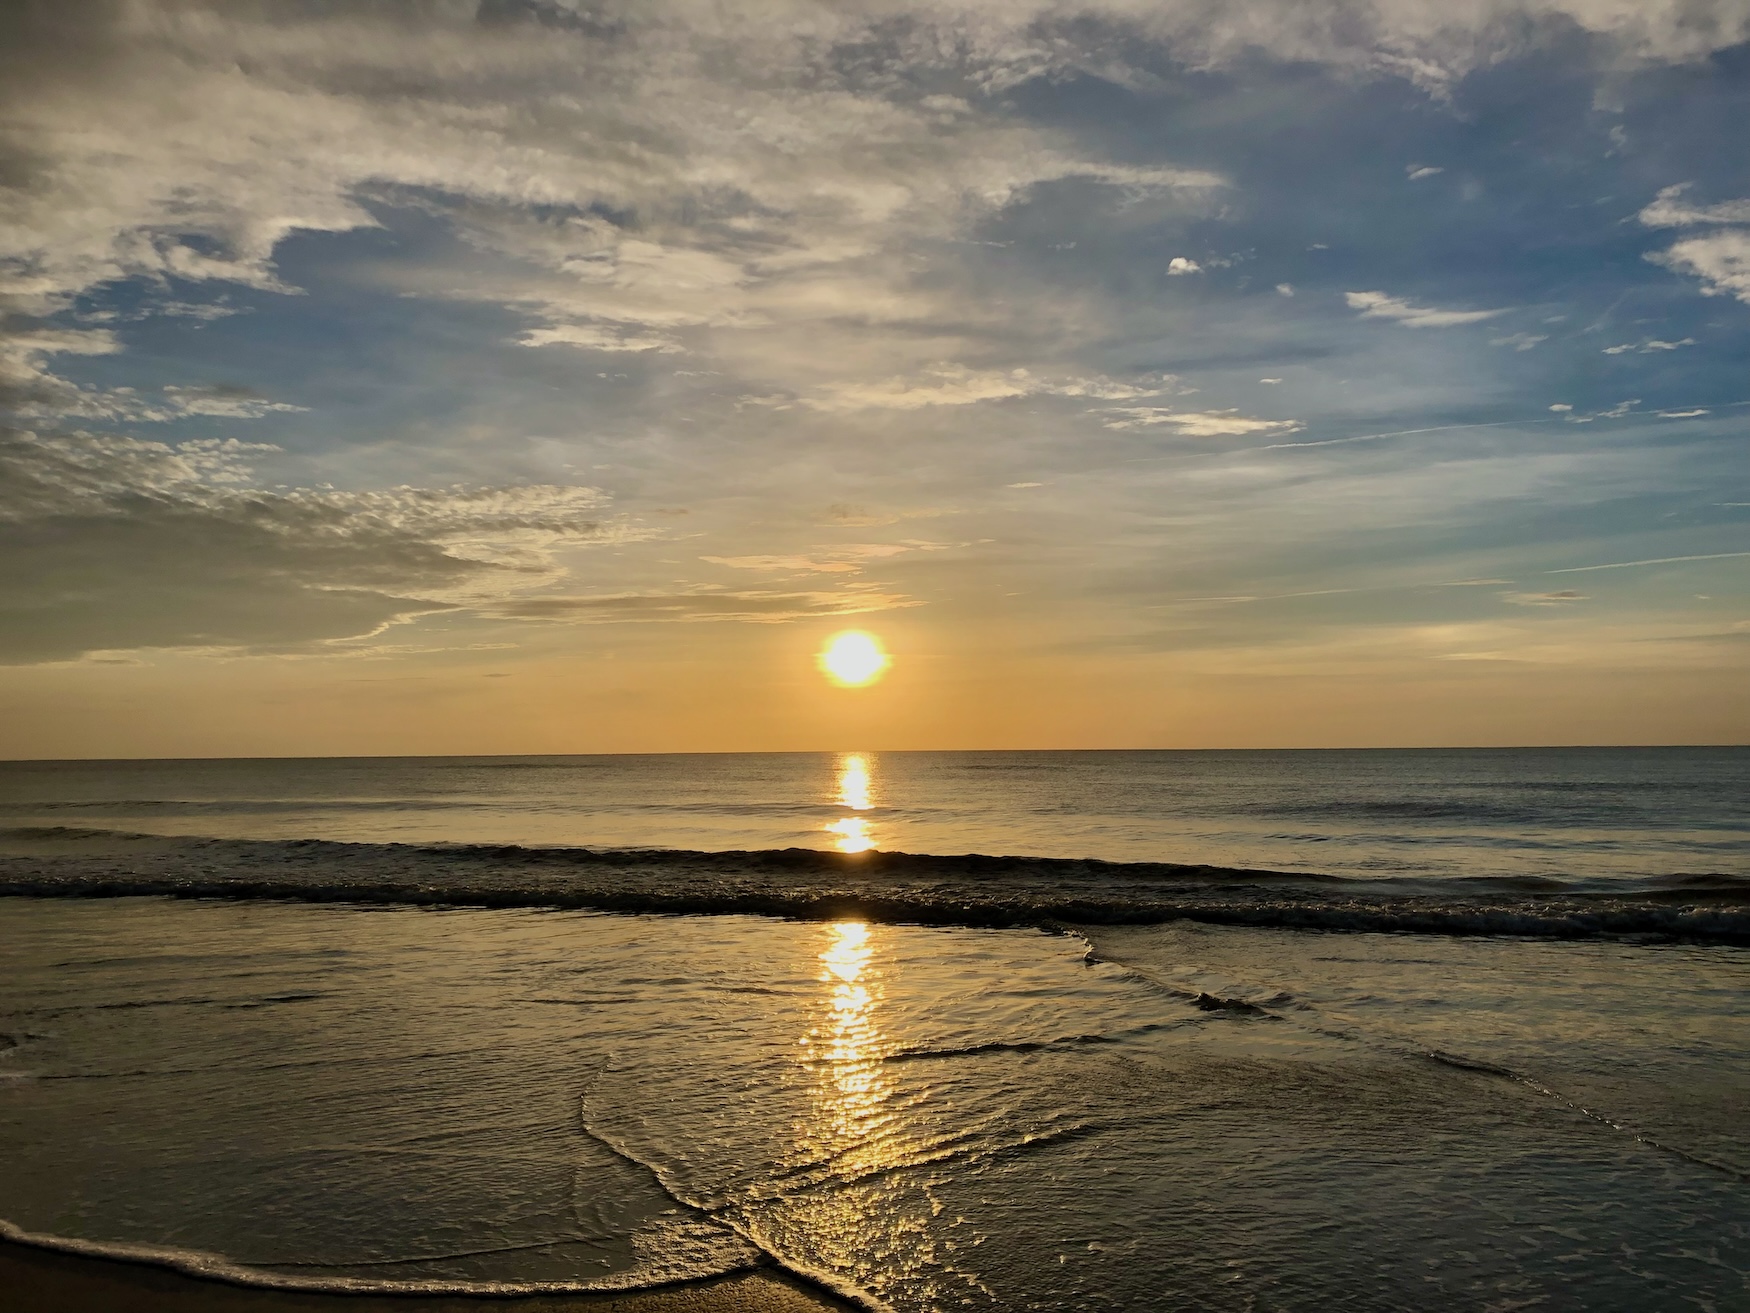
(1144, 374)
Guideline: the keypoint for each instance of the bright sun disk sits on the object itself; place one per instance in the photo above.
(854, 658)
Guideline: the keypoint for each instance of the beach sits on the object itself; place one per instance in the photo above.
(336, 1068)
(43, 1281)
(937, 656)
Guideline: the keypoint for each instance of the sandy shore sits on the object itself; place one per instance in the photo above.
(40, 1281)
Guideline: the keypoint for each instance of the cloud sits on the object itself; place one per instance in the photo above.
(1561, 598)
(696, 604)
(112, 543)
(788, 192)
(1648, 346)
(29, 390)
(1285, 289)
(788, 564)
(598, 337)
(1618, 411)
(847, 558)
(1430, 45)
(957, 385)
(690, 170)
(1180, 265)
(217, 403)
(1419, 171)
(687, 168)
(1668, 210)
(1520, 341)
(1195, 424)
(1720, 259)
(1377, 305)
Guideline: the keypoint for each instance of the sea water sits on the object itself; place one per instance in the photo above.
(1190, 1100)
(1598, 812)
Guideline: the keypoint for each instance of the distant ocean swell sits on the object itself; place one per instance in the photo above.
(968, 890)
(146, 807)
(1552, 804)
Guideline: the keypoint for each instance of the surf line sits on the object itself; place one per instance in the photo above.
(217, 1268)
(722, 1214)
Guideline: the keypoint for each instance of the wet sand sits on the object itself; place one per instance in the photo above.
(42, 1281)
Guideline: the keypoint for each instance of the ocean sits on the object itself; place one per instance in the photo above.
(1125, 1030)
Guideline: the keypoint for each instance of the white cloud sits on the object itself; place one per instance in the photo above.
(1720, 259)
(1196, 424)
(598, 337)
(1648, 346)
(1377, 305)
(957, 385)
(219, 403)
(27, 388)
(1285, 289)
(1180, 265)
(1418, 171)
(1520, 341)
(771, 188)
(1668, 210)
(1618, 411)
(1564, 597)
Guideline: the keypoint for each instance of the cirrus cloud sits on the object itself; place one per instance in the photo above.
(113, 543)
(1377, 305)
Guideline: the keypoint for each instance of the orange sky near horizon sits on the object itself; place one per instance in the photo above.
(763, 692)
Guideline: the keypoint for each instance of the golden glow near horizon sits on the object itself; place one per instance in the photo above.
(853, 659)
(852, 833)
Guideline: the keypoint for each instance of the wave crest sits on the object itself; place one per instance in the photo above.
(973, 889)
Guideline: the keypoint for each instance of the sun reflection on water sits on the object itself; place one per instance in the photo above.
(853, 834)
(849, 1044)
(862, 1214)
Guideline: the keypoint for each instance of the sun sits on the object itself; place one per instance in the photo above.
(853, 659)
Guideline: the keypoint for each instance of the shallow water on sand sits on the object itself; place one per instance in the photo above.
(1193, 1117)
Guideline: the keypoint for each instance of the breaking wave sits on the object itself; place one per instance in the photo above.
(971, 889)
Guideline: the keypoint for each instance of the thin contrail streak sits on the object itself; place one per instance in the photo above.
(1399, 433)
(1657, 560)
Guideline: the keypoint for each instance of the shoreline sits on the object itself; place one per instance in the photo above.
(35, 1279)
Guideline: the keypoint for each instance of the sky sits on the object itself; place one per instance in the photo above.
(547, 376)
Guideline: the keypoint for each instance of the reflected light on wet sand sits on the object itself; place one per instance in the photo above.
(861, 1124)
(848, 1044)
(852, 834)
